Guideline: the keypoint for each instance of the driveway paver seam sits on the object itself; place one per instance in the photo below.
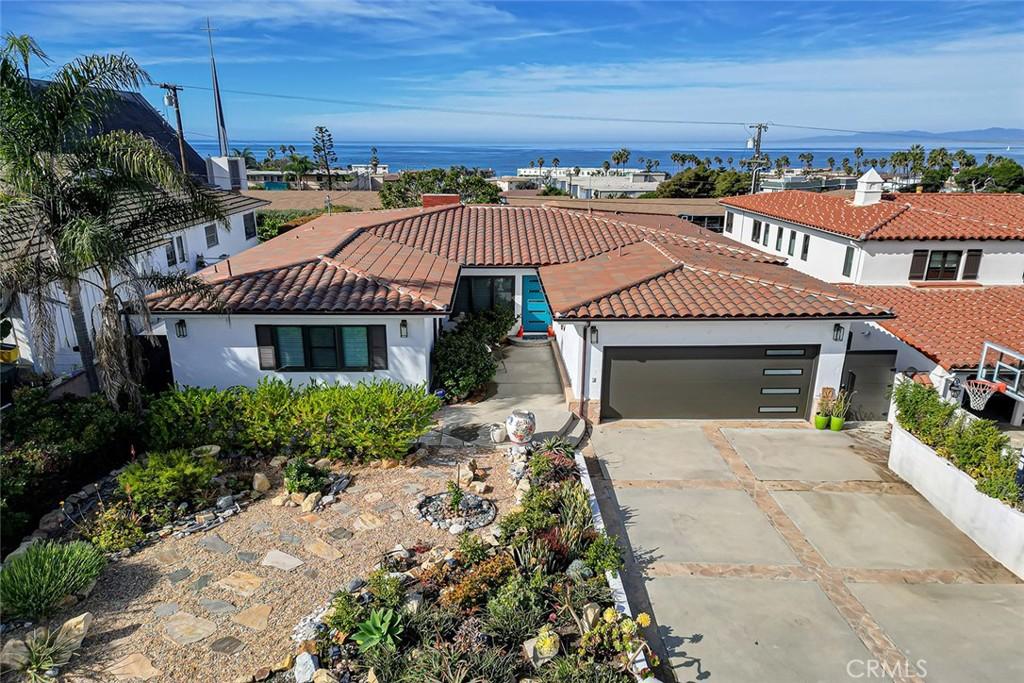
(848, 486)
(828, 578)
(781, 572)
(707, 484)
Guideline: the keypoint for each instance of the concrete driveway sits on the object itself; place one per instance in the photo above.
(774, 552)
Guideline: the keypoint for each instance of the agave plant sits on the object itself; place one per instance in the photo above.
(383, 627)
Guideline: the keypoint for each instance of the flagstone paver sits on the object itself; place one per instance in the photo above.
(256, 617)
(228, 645)
(168, 555)
(165, 609)
(340, 534)
(217, 606)
(202, 582)
(323, 550)
(368, 522)
(215, 543)
(179, 575)
(184, 628)
(288, 537)
(280, 560)
(247, 557)
(134, 667)
(241, 583)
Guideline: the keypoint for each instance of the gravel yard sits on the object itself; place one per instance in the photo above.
(219, 605)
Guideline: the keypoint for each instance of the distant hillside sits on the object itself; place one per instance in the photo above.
(996, 136)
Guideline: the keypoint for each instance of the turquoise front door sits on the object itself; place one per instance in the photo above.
(536, 314)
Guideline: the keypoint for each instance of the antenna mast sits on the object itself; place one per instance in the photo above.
(222, 131)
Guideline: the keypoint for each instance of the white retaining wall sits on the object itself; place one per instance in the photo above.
(996, 527)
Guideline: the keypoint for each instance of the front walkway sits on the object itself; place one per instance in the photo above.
(528, 379)
(773, 552)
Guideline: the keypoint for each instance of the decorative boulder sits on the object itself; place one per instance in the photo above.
(74, 630)
(260, 482)
(310, 502)
(305, 667)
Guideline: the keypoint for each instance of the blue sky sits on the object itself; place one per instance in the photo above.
(864, 65)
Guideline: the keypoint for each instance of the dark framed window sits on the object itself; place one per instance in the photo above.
(212, 239)
(172, 259)
(483, 293)
(805, 247)
(848, 262)
(767, 231)
(728, 221)
(778, 238)
(792, 242)
(943, 265)
(295, 348)
(972, 264)
(755, 236)
(181, 248)
(249, 220)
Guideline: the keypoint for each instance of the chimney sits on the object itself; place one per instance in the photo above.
(869, 189)
(431, 200)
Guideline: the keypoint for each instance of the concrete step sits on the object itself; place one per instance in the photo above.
(573, 430)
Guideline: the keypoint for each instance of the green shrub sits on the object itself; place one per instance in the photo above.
(491, 326)
(975, 446)
(383, 627)
(446, 663)
(186, 417)
(515, 612)
(266, 417)
(578, 670)
(455, 495)
(472, 549)
(603, 555)
(462, 363)
(115, 528)
(478, 581)
(168, 477)
(345, 614)
(33, 583)
(302, 476)
(387, 590)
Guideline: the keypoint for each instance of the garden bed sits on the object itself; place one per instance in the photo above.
(995, 526)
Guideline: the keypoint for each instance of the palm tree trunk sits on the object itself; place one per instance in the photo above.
(73, 290)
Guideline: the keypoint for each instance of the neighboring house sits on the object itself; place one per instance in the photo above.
(186, 249)
(648, 322)
(705, 212)
(814, 181)
(619, 185)
(926, 256)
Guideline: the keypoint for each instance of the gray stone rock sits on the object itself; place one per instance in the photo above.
(355, 584)
(217, 606)
(287, 537)
(215, 543)
(228, 645)
(179, 575)
(305, 667)
(202, 582)
(165, 609)
(225, 502)
(260, 482)
(340, 534)
(247, 557)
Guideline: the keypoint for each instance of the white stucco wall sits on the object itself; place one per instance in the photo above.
(220, 351)
(702, 333)
(825, 255)
(888, 261)
(876, 262)
(570, 344)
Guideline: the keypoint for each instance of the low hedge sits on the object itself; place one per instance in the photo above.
(975, 446)
(369, 420)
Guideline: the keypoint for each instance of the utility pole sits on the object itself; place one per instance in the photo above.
(757, 161)
(172, 99)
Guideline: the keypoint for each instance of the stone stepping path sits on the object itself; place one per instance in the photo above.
(241, 583)
(323, 550)
(133, 667)
(228, 645)
(217, 606)
(184, 628)
(165, 609)
(216, 544)
(179, 575)
(280, 560)
(256, 617)
(202, 582)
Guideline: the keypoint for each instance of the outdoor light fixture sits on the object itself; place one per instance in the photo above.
(403, 329)
(837, 332)
(181, 329)
(593, 335)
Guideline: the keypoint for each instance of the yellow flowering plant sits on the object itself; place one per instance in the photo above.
(617, 638)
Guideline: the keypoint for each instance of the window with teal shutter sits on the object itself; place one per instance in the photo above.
(355, 348)
(290, 352)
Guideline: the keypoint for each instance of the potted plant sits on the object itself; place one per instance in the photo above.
(840, 405)
(823, 413)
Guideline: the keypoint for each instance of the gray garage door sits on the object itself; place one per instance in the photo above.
(707, 382)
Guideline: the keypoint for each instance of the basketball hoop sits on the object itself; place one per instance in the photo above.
(979, 391)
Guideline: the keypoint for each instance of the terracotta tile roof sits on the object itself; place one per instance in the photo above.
(409, 260)
(655, 280)
(898, 216)
(949, 325)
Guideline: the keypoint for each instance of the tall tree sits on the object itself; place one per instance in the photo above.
(412, 185)
(80, 186)
(858, 152)
(917, 159)
(964, 159)
(374, 161)
(939, 158)
(269, 158)
(605, 166)
(556, 162)
(831, 161)
(323, 152)
(807, 158)
(246, 154)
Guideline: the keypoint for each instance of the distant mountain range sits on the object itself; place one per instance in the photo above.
(995, 136)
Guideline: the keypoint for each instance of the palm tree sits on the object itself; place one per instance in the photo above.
(605, 165)
(882, 162)
(964, 158)
(247, 155)
(782, 162)
(298, 165)
(807, 158)
(939, 158)
(917, 159)
(831, 161)
(556, 162)
(678, 158)
(96, 200)
(270, 156)
(718, 161)
(847, 168)
(858, 152)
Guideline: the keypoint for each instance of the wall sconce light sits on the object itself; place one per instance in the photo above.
(593, 335)
(181, 329)
(837, 332)
(403, 329)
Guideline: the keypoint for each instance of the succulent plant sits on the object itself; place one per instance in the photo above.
(383, 627)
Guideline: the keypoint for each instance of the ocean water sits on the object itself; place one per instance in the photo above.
(505, 159)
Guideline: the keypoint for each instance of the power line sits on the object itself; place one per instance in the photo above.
(575, 117)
